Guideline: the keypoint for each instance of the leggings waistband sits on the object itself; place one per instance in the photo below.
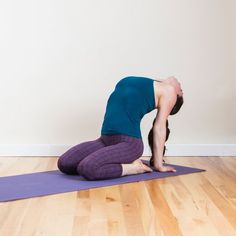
(116, 138)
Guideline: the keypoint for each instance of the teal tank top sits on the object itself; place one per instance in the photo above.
(132, 98)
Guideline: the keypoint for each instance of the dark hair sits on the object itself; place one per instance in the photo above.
(175, 109)
(178, 105)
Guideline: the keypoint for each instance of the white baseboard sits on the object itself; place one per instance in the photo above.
(201, 150)
(172, 150)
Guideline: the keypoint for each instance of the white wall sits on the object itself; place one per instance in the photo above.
(61, 59)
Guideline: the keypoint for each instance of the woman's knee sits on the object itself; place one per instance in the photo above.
(61, 164)
(65, 166)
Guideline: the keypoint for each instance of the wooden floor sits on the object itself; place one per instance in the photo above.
(194, 204)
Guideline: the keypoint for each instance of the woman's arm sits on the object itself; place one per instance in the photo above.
(159, 134)
(166, 103)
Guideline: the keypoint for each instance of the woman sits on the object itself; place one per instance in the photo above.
(116, 152)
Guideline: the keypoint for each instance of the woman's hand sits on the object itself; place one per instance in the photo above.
(165, 169)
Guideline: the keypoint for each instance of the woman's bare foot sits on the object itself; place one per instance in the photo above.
(136, 167)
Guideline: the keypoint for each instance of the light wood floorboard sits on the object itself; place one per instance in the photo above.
(194, 204)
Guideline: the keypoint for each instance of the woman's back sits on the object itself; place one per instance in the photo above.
(132, 98)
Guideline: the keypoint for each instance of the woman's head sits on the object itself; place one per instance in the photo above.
(178, 104)
(176, 84)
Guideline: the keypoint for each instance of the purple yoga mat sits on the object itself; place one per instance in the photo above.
(53, 182)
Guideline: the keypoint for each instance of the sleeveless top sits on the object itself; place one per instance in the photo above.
(132, 98)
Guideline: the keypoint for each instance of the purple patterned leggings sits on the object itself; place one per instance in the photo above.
(101, 158)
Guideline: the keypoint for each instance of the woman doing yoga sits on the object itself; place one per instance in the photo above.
(116, 152)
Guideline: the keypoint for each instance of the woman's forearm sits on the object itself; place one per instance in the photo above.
(159, 137)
